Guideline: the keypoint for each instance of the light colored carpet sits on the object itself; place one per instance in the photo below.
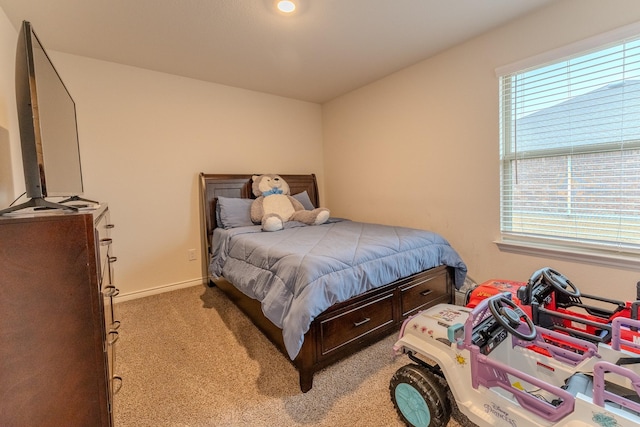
(191, 358)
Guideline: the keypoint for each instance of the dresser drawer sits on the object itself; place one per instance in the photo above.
(423, 293)
(353, 323)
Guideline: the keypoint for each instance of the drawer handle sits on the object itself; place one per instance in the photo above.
(113, 259)
(105, 242)
(118, 379)
(109, 226)
(110, 291)
(426, 292)
(115, 325)
(115, 335)
(362, 322)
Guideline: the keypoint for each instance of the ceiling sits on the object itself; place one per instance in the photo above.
(323, 50)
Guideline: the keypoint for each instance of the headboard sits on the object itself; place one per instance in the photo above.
(214, 185)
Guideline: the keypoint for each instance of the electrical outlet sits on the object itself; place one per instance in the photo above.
(191, 254)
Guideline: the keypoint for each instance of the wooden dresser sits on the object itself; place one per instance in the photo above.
(57, 326)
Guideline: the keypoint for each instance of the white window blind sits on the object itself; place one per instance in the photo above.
(570, 149)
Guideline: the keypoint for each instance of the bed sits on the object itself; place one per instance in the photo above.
(339, 322)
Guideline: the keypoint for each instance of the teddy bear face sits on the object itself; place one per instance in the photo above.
(264, 185)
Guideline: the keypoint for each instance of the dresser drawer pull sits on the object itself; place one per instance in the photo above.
(105, 242)
(110, 291)
(426, 292)
(115, 336)
(362, 322)
(115, 325)
(113, 259)
(116, 387)
(109, 226)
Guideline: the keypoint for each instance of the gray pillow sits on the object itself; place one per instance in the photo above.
(233, 212)
(305, 200)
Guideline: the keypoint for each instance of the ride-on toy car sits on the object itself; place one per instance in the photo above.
(552, 301)
(477, 364)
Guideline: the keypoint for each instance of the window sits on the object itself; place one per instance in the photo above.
(570, 150)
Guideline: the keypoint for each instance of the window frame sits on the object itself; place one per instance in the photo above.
(616, 256)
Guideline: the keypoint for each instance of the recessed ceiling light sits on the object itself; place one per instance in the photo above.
(286, 6)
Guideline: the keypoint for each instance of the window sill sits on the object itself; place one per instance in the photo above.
(603, 258)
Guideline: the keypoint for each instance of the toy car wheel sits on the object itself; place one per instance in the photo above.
(419, 398)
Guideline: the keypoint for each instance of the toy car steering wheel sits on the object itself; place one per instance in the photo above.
(560, 282)
(509, 315)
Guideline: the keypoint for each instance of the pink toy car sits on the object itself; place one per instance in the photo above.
(481, 366)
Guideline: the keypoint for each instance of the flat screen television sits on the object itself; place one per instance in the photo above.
(48, 129)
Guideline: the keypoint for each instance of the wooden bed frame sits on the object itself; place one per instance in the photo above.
(344, 328)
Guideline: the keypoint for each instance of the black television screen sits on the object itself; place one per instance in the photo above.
(47, 121)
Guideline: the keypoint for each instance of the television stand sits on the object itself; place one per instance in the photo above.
(37, 203)
(78, 199)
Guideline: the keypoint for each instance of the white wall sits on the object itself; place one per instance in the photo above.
(145, 136)
(425, 141)
(10, 156)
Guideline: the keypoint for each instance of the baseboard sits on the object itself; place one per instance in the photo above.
(159, 290)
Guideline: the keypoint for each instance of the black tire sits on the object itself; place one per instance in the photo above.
(467, 297)
(419, 397)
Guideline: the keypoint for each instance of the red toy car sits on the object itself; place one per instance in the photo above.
(553, 302)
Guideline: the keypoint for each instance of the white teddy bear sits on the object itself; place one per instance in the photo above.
(274, 205)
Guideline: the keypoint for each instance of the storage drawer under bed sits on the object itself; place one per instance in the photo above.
(422, 293)
(381, 312)
(355, 322)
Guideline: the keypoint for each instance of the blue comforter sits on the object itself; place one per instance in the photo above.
(300, 271)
